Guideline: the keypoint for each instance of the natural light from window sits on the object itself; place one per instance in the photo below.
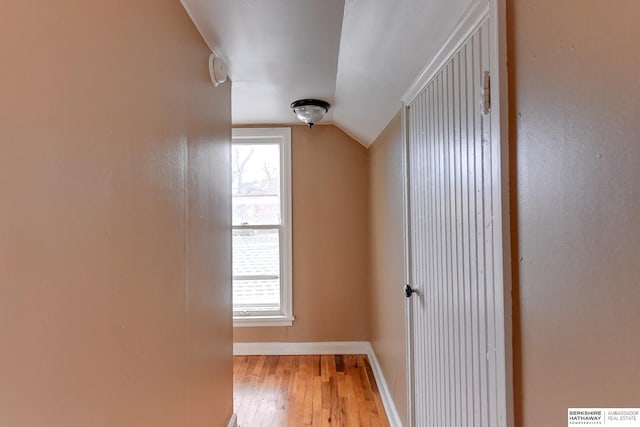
(261, 226)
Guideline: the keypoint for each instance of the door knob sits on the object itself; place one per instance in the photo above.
(408, 291)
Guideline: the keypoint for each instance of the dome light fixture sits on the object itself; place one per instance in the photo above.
(310, 111)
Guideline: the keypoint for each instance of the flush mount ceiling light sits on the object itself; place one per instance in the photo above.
(310, 111)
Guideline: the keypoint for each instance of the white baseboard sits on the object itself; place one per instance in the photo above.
(335, 347)
(295, 348)
(383, 388)
(233, 421)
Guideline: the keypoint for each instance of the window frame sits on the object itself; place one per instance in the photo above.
(282, 137)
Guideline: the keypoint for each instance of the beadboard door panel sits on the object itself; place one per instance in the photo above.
(458, 356)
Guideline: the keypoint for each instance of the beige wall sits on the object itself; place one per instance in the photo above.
(387, 260)
(114, 227)
(576, 183)
(330, 240)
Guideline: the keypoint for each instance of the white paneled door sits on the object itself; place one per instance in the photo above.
(459, 356)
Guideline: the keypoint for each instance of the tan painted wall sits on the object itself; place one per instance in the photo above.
(387, 260)
(330, 240)
(576, 154)
(114, 226)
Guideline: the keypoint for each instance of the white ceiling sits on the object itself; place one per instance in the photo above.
(360, 56)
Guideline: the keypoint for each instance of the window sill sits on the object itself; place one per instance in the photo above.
(251, 321)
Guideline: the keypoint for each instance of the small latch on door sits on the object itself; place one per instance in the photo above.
(486, 93)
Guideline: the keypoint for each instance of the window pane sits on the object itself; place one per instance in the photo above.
(256, 253)
(256, 295)
(256, 210)
(256, 183)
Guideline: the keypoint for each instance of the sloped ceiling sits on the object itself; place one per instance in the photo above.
(359, 55)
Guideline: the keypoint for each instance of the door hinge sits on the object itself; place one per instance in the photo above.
(486, 93)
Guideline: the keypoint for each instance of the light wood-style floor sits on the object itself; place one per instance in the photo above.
(293, 391)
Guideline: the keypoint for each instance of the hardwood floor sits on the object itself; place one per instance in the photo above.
(293, 391)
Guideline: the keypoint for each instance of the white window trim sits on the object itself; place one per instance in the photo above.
(283, 137)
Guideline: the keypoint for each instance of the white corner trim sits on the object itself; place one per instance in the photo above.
(213, 49)
(233, 421)
(329, 347)
(470, 20)
(300, 348)
(195, 23)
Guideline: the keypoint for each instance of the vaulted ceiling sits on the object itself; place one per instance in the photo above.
(359, 55)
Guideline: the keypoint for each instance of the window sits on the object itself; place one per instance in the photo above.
(261, 191)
